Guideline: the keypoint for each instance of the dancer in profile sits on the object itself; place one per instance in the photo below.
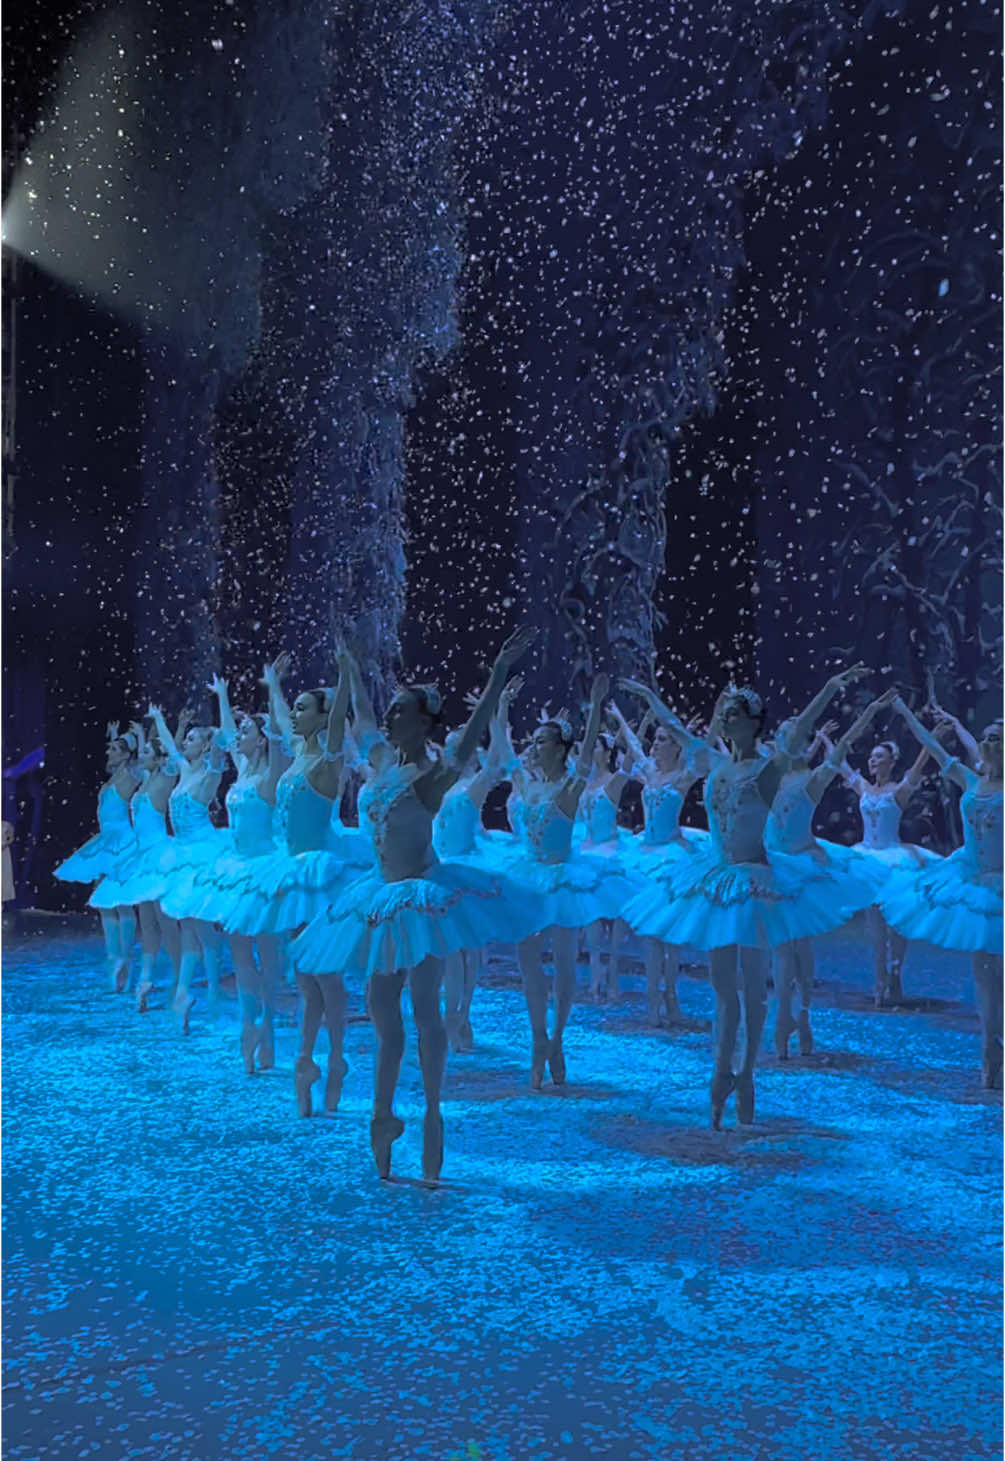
(101, 855)
(609, 774)
(458, 835)
(789, 830)
(678, 759)
(881, 802)
(139, 879)
(731, 900)
(572, 888)
(398, 924)
(202, 763)
(217, 893)
(957, 902)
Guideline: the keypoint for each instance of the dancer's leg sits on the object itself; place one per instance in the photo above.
(270, 968)
(722, 968)
(334, 996)
(898, 949)
(384, 1004)
(805, 975)
(535, 991)
(654, 976)
(988, 989)
(472, 968)
(453, 997)
(248, 983)
(187, 965)
(564, 955)
(150, 942)
(618, 930)
(127, 937)
(113, 949)
(754, 963)
(211, 943)
(785, 965)
(671, 969)
(594, 943)
(877, 927)
(305, 1071)
(171, 939)
(424, 988)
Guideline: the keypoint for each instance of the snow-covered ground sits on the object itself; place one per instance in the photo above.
(192, 1271)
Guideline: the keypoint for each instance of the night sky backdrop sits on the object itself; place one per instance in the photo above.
(675, 328)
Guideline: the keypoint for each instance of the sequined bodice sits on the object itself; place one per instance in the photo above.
(544, 829)
(982, 828)
(600, 815)
(250, 818)
(661, 808)
(455, 826)
(302, 814)
(189, 817)
(737, 812)
(400, 827)
(880, 819)
(113, 811)
(790, 822)
(149, 824)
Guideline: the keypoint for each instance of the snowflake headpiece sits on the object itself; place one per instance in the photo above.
(750, 698)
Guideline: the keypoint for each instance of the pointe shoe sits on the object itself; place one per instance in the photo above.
(452, 1021)
(249, 1044)
(673, 1014)
(745, 1098)
(337, 1071)
(654, 1014)
(784, 1027)
(266, 1045)
(805, 1033)
(120, 976)
(556, 1061)
(305, 1073)
(143, 998)
(384, 1130)
(467, 1038)
(432, 1146)
(537, 1062)
(596, 994)
(721, 1089)
(894, 985)
(182, 1005)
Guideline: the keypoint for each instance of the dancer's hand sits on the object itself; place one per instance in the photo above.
(844, 678)
(112, 730)
(277, 671)
(511, 689)
(154, 711)
(516, 646)
(185, 719)
(472, 697)
(217, 686)
(643, 691)
(598, 691)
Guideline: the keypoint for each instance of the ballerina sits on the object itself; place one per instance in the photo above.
(139, 880)
(216, 892)
(789, 829)
(881, 802)
(398, 924)
(572, 888)
(957, 902)
(458, 835)
(201, 762)
(598, 809)
(731, 900)
(678, 760)
(101, 855)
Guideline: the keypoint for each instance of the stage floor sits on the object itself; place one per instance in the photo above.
(192, 1271)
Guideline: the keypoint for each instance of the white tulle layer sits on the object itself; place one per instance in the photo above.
(100, 856)
(709, 904)
(573, 893)
(377, 927)
(952, 905)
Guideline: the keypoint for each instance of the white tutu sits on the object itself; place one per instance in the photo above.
(710, 904)
(101, 854)
(378, 927)
(952, 905)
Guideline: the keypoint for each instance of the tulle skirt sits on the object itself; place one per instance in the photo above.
(574, 893)
(99, 857)
(951, 904)
(278, 891)
(884, 863)
(138, 878)
(651, 859)
(378, 927)
(709, 904)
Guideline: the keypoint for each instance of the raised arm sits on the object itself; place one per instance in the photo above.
(279, 711)
(632, 742)
(805, 722)
(514, 648)
(971, 749)
(165, 737)
(665, 717)
(930, 747)
(568, 797)
(325, 775)
(835, 761)
(228, 729)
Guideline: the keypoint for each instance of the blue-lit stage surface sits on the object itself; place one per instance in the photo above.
(192, 1271)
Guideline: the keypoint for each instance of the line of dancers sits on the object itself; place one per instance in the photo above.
(418, 888)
